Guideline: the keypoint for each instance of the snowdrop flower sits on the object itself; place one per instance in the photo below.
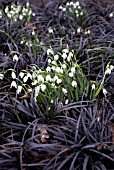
(71, 74)
(66, 101)
(22, 42)
(79, 30)
(49, 51)
(1, 76)
(104, 91)
(19, 89)
(111, 67)
(43, 87)
(53, 68)
(27, 4)
(93, 86)
(51, 101)
(25, 79)
(13, 84)
(49, 60)
(59, 70)
(56, 57)
(64, 66)
(108, 71)
(64, 9)
(81, 13)
(15, 57)
(67, 4)
(13, 75)
(40, 78)
(29, 76)
(111, 15)
(48, 69)
(60, 7)
(20, 17)
(71, 3)
(59, 81)
(33, 32)
(48, 78)
(77, 3)
(73, 70)
(9, 15)
(50, 30)
(21, 74)
(37, 89)
(34, 83)
(64, 55)
(64, 90)
(65, 50)
(54, 62)
(74, 83)
(55, 78)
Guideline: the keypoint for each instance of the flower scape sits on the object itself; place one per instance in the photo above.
(57, 86)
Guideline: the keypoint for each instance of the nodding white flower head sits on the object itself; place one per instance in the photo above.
(54, 62)
(60, 7)
(1, 76)
(20, 17)
(64, 55)
(48, 78)
(64, 66)
(27, 4)
(34, 83)
(37, 89)
(48, 69)
(51, 101)
(13, 84)
(21, 74)
(50, 30)
(64, 9)
(104, 91)
(111, 15)
(71, 74)
(66, 101)
(13, 75)
(50, 51)
(64, 90)
(19, 89)
(93, 86)
(81, 13)
(73, 70)
(56, 57)
(49, 61)
(55, 78)
(65, 50)
(59, 81)
(40, 78)
(43, 87)
(59, 70)
(25, 79)
(108, 71)
(77, 3)
(111, 67)
(33, 32)
(74, 83)
(29, 76)
(79, 30)
(71, 3)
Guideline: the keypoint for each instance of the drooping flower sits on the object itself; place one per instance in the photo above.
(1, 76)
(74, 83)
(64, 90)
(13, 84)
(13, 75)
(43, 87)
(93, 86)
(15, 57)
(19, 89)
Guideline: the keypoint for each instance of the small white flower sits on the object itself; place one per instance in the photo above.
(49, 60)
(27, 4)
(48, 69)
(34, 83)
(88, 32)
(25, 79)
(66, 101)
(37, 89)
(21, 74)
(29, 76)
(59, 81)
(55, 78)
(22, 42)
(50, 30)
(64, 55)
(60, 7)
(20, 17)
(108, 71)
(1, 76)
(71, 74)
(67, 4)
(93, 86)
(13, 84)
(50, 51)
(51, 101)
(104, 91)
(53, 68)
(54, 62)
(48, 78)
(64, 9)
(43, 87)
(6, 9)
(9, 15)
(33, 32)
(64, 66)
(56, 57)
(71, 3)
(19, 89)
(81, 13)
(79, 30)
(111, 67)
(77, 3)
(74, 83)
(13, 75)
(64, 90)
(58, 69)
(65, 50)
(111, 15)
(73, 70)
(40, 78)
(15, 57)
